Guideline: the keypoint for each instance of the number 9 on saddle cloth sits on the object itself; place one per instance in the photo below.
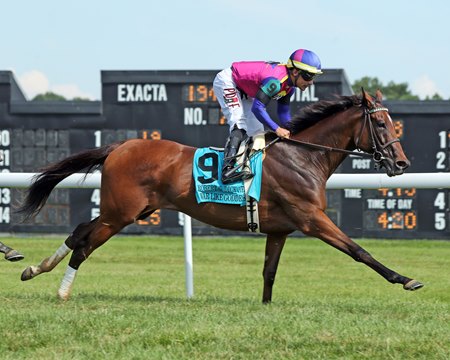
(207, 172)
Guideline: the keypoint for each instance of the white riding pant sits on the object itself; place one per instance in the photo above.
(236, 110)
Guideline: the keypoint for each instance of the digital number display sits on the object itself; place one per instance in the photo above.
(216, 117)
(398, 127)
(151, 134)
(198, 93)
(390, 220)
(390, 209)
(201, 104)
(152, 220)
(397, 192)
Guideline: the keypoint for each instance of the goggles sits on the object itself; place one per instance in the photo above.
(306, 75)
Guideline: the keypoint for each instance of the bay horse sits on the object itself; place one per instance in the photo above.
(140, 176)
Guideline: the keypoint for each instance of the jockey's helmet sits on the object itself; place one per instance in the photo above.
(305, 60)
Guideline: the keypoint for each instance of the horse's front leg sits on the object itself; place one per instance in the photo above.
(10, 254)
(323, 228)
(274, 247)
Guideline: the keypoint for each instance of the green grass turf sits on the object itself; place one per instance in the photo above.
(128, 302)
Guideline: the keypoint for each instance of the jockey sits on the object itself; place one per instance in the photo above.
(245, 89)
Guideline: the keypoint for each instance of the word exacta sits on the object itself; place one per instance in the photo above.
(141, 92)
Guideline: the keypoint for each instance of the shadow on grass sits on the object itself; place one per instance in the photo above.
(92, 297)
(175, 300)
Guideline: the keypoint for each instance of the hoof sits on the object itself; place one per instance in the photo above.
(412, 285)
(63, 295)
(13, 255)
(27, 274)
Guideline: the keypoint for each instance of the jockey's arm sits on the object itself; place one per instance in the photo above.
(284, 110)
(259, 109)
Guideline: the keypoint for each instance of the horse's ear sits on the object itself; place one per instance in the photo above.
(365, 98)
(379, 96)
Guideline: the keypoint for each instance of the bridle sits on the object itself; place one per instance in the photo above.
(377, 146)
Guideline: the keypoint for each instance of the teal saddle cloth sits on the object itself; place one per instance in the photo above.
(207, 172)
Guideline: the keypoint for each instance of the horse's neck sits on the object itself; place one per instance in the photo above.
(337, 132)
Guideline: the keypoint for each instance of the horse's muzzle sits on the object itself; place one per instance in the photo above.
(394, 168)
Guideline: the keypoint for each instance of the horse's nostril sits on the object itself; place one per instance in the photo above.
(402, 164)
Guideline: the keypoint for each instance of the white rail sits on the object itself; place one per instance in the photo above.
(336, 181)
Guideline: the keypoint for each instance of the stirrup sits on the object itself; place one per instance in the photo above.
(232, 175)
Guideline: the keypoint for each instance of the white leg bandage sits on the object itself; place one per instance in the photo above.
(49, 263)
(66, 283)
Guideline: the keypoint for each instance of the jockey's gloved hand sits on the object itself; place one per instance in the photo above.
(283, 133)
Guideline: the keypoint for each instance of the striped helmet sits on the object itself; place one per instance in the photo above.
(305, 60)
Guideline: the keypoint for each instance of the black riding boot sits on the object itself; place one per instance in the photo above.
(230, 173)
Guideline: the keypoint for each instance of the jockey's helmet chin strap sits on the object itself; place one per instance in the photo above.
(295, 77)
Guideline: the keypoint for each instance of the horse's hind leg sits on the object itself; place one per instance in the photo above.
(323, 228)
(10, 254)
(274, 247)
(48, 264)
(98, 234)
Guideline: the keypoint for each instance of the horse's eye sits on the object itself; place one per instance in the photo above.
(381, 124)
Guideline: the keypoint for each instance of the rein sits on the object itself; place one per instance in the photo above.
(376, 145)
(313, 146)
(326, 148)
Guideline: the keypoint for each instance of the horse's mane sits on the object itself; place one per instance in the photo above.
(311, 114)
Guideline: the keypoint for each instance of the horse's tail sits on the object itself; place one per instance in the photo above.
(50, 176)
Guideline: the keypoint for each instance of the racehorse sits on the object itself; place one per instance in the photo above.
(140, 176)
(10, 254)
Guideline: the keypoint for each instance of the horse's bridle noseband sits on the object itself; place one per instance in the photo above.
(377, 147)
